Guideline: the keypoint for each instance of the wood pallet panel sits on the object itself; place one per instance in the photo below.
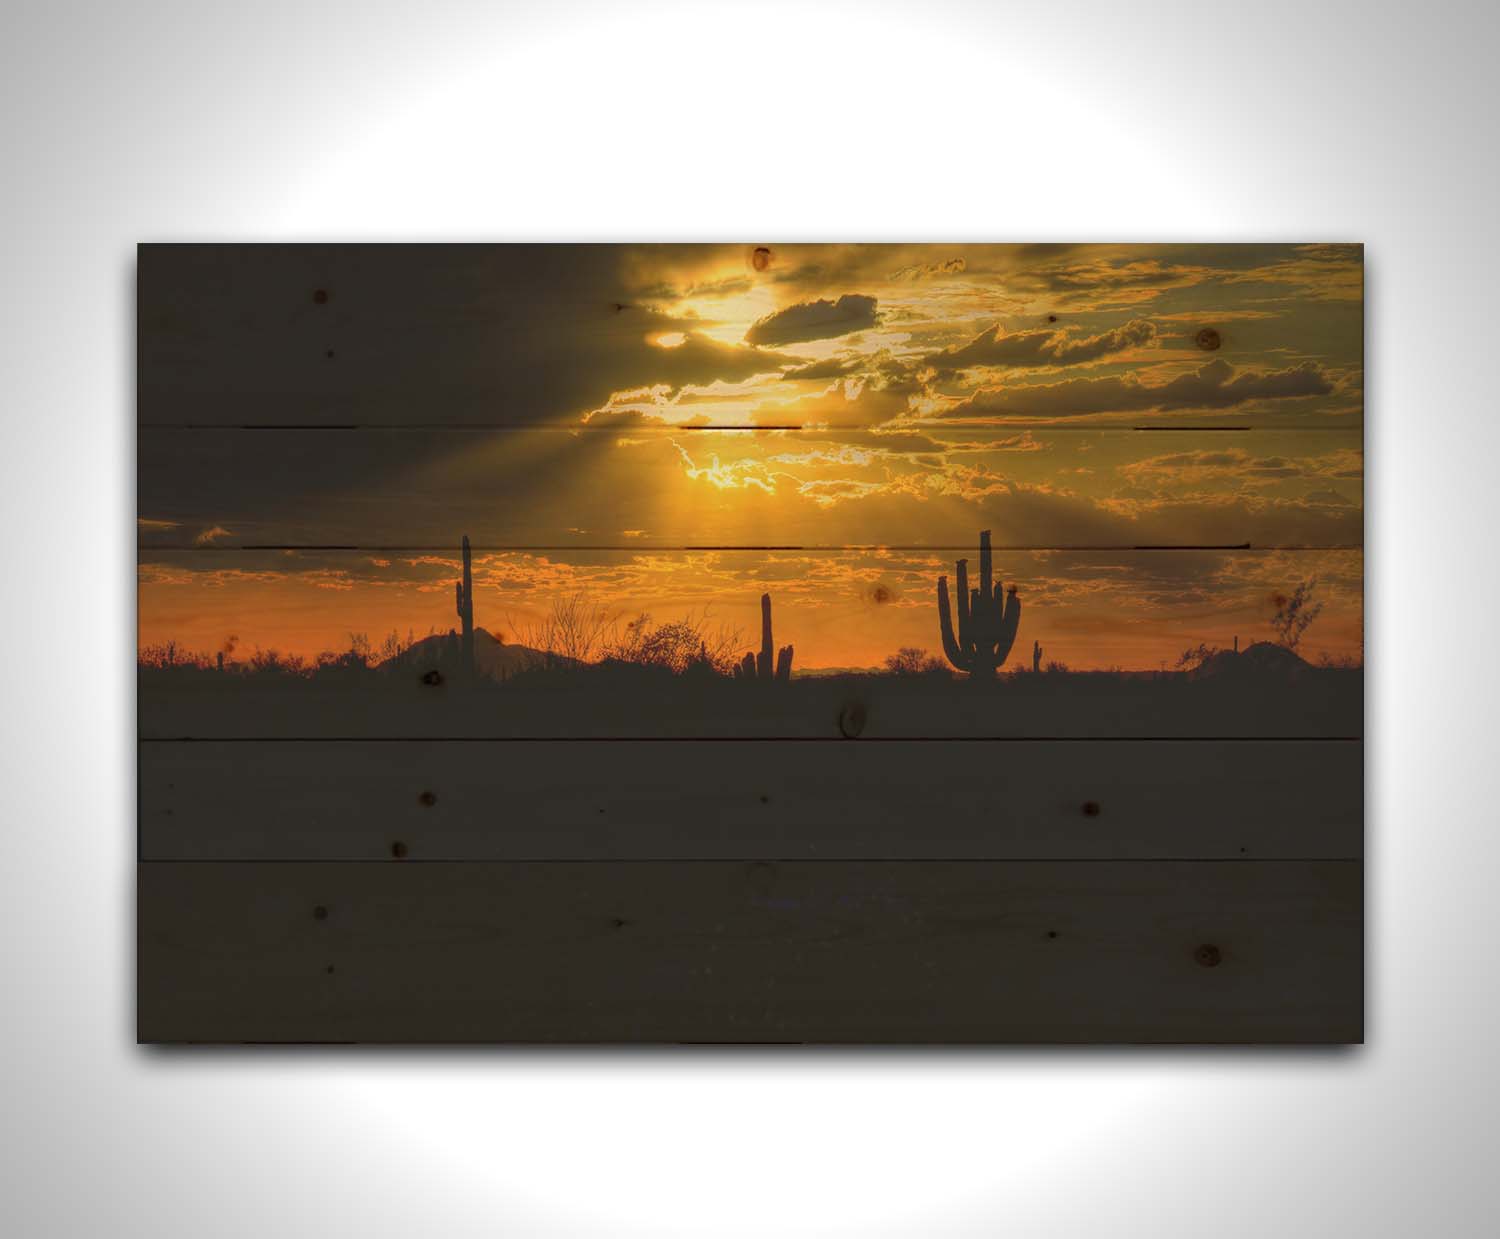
(870, 952)
(648, 800)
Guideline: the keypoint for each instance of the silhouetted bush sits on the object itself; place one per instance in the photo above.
(910, 660)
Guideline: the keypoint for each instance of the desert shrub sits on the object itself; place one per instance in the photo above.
(274, 662)
(1294, 613)
(680, 646)
(164, 655)
(1196, 656)
(394, 646)
(909, 660)
(574, 630)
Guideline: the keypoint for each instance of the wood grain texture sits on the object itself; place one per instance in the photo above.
(505, 837)
(307, 335)
(496, 800)
(1077, 706)
(1018, 951)
(418, 487)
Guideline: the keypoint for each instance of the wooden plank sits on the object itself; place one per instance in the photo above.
(519, 835)
(521, 334)
(1317, 704)
(1049, 487)
(1018, 951)
(1117, 621)
(485, 800)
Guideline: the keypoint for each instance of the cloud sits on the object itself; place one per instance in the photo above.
(1042, 348)
(1235, 463)
(1329, 497)
(1320, 272)
(146, 523)
(1104, 282)
(925, 270)
(211, 535)
(525, 334)
(700, 360)
(829, 368)
(1216, 385)
(842, 404)
(814, 320)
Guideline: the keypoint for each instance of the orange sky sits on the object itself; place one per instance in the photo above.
(939, 390)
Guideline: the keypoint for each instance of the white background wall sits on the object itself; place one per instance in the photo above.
(654, 120)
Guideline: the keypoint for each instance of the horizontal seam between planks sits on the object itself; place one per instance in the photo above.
(971, 428)
(820, 548)
(781, 860)
(749, 740)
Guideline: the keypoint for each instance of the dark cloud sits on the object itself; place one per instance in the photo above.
(700, 360)
(521, 334)
(814, 320)
(1216, 385)
(1041, 348)
(830, 368)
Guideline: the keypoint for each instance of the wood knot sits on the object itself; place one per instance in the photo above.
(1091, 808)
(433, 677)
(760, 257)
(398, 850)
(320, 296)
(320, 913)
(1208, 955)
(852, 720)
(427, 799)
(760, 878)
(1208, 339)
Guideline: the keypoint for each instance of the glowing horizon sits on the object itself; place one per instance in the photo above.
(937, 391)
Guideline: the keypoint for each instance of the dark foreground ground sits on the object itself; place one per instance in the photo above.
(627, 701)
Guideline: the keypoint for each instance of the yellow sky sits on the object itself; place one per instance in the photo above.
(936, 391)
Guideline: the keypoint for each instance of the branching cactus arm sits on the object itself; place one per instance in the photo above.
(1008, 625)
(951, 645)
(965, 603)
(767, 645)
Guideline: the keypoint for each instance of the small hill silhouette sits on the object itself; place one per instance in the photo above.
(1262, 660)
(493, 658)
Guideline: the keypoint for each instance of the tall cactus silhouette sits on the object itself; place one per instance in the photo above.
(1036, 655)
(759, 666)
(464, 591)
(987, 618)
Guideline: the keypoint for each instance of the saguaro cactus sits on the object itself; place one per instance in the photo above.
(464, 590)
(760, 666)
(987, 618)
(1036, 655)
